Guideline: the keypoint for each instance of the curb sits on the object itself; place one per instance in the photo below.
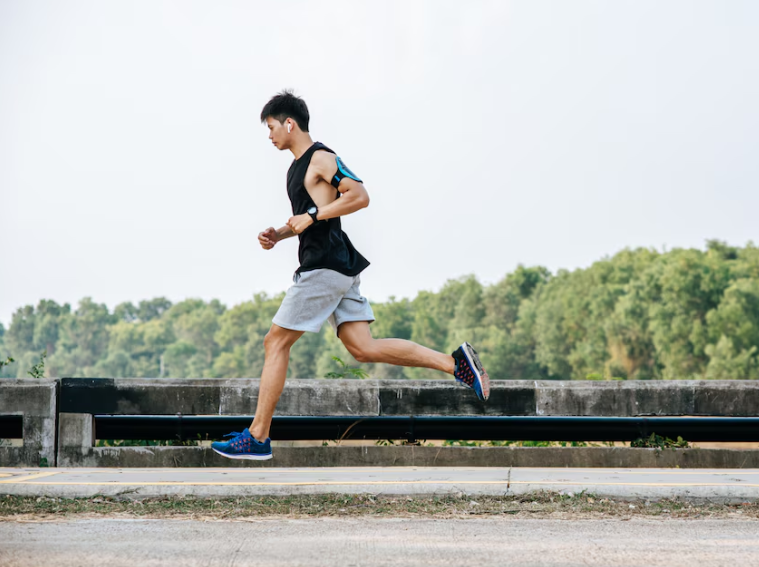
(417, 456)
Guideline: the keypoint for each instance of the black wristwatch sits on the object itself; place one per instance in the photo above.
(312, 213)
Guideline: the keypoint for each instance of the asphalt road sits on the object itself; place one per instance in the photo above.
(718, 485)
(368, 542)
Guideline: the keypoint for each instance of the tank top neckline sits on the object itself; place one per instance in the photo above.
(309, 150)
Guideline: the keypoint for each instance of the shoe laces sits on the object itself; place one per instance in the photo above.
(234, 434)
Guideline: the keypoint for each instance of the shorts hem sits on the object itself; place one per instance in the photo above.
(357, 320)
(337, 325)
(293, 328)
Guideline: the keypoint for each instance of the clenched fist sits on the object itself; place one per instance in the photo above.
(268, 238)
(299, 223)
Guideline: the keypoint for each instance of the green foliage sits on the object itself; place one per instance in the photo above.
(461, 443)
(466, 443)
(146, 443)
(151, 442)
(598, 376)
(38, 370)
(5, 372)
(346, 371)
(638, 315)
(658, 442)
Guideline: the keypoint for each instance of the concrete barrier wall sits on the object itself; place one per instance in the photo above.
(35, 401)
(79, 399)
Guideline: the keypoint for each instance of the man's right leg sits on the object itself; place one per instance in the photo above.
(277, 344)
(252, 443)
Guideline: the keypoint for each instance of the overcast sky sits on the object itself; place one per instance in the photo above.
(488, 134)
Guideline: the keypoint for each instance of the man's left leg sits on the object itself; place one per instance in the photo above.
(464, 363)
(358, 339)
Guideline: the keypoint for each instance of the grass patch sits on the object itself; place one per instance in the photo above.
(537, 504)
(658, 442)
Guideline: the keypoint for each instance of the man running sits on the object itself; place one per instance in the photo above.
(326, 285)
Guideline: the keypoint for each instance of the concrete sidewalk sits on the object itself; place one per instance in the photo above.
(716, 485)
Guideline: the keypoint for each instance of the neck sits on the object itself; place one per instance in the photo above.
(301, 144)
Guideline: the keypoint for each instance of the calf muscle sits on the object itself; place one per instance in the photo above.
(407, 353)
(358, 340)
(277, 345)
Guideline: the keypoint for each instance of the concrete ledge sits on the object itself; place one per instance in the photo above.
(739, 398)
(169, 396)
(413, 456)
(35, 401)
(143, 396)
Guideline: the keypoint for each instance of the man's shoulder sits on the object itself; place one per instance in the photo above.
(324, 155)
(324, 160)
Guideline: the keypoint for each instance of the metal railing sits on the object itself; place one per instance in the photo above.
(413, 428)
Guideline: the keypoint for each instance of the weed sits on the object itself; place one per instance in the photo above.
(346, 371)
(149, 442)
(658, 442)
(38, 370)
(467, 443)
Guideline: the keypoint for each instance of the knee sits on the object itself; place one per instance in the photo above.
(362, 352)
(274, 341)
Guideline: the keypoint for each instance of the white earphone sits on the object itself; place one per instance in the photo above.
(288, 127)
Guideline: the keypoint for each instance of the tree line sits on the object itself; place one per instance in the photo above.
(639, 315)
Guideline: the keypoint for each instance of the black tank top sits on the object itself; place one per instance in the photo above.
(323, 244)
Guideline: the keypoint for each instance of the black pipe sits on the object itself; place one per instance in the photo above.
(11, 427)
(539, 428)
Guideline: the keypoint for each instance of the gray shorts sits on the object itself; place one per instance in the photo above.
(322, 295)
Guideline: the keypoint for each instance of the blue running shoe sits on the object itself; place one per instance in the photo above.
(469, 371)
(243, 446)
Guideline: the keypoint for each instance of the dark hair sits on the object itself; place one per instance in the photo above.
(286, 105)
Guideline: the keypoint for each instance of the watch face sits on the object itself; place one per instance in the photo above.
(312, 210)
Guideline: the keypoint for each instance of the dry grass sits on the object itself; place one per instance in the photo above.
(535, 505)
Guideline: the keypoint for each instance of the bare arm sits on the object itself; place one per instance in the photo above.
(284, 232)
(353, 196)
(269, 237)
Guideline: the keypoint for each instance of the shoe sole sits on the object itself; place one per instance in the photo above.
(479, 372)
(244, 457)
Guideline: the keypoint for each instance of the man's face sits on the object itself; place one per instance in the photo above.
(277, 133)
